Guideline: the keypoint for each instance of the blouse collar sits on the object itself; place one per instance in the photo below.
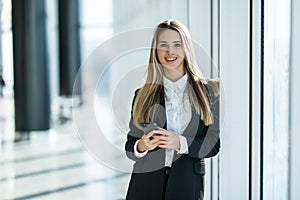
(180, 84)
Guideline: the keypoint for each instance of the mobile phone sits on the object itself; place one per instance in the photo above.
(147, 127)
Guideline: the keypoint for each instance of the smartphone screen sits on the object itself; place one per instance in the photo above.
(147, 127)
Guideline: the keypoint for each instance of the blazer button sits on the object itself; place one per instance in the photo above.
(167, 171)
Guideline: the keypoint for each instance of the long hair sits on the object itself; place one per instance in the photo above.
(149, 93)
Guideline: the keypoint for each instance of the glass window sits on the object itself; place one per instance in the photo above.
(276, 99)
(6, 51)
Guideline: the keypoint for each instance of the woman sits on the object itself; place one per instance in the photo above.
(171, 115)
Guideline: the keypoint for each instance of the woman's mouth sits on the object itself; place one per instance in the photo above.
(170, 59)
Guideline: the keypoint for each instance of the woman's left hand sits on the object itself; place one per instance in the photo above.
(167, 139)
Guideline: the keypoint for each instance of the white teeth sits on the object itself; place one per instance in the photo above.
(170, 59)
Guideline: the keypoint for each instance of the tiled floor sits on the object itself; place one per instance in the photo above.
(53, 165)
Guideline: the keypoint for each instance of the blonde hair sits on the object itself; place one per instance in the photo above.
(150, 92)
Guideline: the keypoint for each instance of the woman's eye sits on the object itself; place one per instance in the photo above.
(177, 45)
(163, 45)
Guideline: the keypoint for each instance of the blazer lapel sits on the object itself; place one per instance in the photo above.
(161, 116)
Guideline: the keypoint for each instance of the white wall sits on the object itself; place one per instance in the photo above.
(234, 63)
(203, 22)
(295, 99)
(256, 99)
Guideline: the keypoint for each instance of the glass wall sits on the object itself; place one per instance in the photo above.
(276, 99)
(235, 75)
(6, 60)
(294, 128)
(6, 70)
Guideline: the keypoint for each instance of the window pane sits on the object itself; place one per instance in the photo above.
(276, 98)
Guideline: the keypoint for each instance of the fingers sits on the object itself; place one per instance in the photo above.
(167, 139)
(148, 142)
(159, 138)
(150, 134)
(164, 135)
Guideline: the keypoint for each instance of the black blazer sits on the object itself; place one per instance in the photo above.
(186, 175)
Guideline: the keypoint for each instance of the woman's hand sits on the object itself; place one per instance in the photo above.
(167, 139)
(148, 142)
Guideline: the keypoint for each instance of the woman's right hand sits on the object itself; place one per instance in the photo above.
(148, 142)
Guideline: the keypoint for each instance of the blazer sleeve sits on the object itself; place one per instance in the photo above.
(206, 142)
(133, 135)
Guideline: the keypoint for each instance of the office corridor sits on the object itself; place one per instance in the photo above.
(251, 46)
(53, 165)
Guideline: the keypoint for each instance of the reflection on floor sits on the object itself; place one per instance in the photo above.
(53, 165)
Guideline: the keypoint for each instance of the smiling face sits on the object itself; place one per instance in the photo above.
(170, 51)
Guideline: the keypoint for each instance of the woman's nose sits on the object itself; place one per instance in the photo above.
(170, 50)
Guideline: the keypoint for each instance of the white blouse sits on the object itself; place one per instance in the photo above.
(179, 113)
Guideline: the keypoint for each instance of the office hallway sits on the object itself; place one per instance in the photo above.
(53, 165)
(100, 50)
